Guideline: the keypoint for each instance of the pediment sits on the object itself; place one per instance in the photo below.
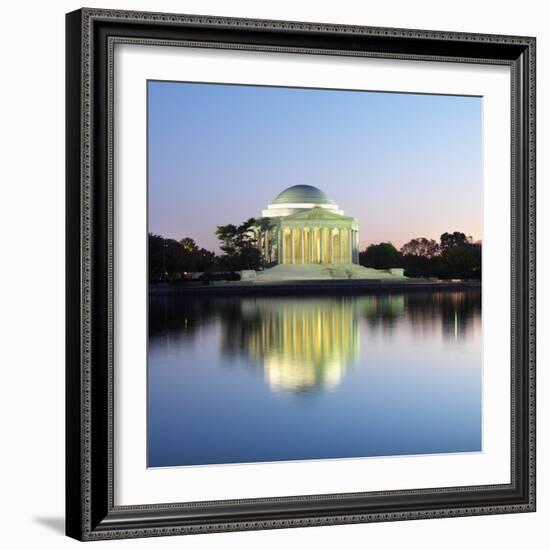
(317, 214)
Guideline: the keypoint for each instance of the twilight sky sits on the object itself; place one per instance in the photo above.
(405, 165)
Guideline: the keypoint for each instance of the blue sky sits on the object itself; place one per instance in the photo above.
(405, 165)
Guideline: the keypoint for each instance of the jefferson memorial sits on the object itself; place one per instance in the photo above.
(303, 235)
(303, 226)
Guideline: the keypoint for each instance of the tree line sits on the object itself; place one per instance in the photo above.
(170, 259)
(455, 256)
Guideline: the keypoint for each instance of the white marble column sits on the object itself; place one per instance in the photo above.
(311, 259)
(292, 231)
(330, 247)
(321, 247)
(302, 245)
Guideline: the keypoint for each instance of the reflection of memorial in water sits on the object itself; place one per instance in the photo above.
(306, 343)
(303, 344)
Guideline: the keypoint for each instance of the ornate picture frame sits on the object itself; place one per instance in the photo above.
(91, 332)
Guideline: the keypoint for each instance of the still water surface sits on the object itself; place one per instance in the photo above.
(271, 378)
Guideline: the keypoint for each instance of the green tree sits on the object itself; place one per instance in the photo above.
(426, 248)
(195, 258)
(381, 256)
(421, 257)
(461, 262)
(170, 259)
(206, 260)
(239, 245)
(156, 258)
(452, 240)
(460, 257)
(166, 258)
(189, 245)
(455, 257)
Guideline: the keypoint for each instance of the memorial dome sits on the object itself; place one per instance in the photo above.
(302, 194)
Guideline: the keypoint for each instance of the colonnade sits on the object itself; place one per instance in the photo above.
(317, 245)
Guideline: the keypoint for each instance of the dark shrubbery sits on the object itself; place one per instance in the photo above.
(381, 256)
(454, 257)
(171, 260)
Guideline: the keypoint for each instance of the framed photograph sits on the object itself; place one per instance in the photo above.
(300, 274)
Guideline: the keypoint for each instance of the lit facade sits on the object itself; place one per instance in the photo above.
(303, 226)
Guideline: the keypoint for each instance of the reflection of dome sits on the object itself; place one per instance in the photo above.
(296, 374)
(301, 194)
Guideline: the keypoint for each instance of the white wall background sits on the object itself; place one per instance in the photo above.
(32, 274)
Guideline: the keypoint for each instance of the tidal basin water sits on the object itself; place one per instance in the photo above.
(259, 379)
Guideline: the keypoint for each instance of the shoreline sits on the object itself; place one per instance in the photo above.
(312, 287)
